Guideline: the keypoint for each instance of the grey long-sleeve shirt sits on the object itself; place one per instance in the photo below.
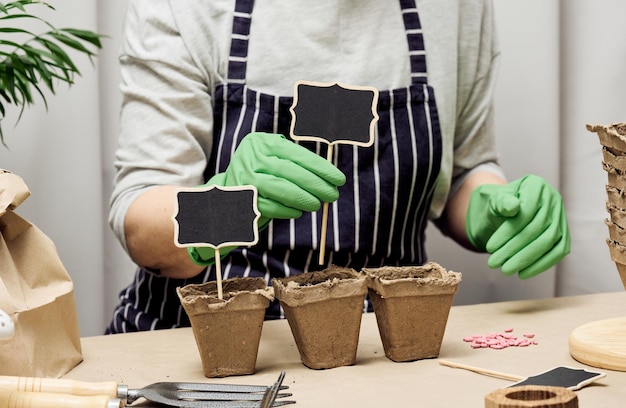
(174, 53)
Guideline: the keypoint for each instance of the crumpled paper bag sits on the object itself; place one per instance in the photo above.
(36, 292)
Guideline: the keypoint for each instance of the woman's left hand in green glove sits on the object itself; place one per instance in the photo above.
(521, 224)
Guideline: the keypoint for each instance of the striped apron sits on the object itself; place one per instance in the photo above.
(380, 217)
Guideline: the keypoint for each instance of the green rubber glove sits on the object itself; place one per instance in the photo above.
(521, 224)
(289, 178)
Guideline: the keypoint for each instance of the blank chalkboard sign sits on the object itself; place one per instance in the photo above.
(216, 216)
(566, 377)
(563, 376)
(334, 113)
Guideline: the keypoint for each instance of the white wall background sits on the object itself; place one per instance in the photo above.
(562, 67)
(527, 125)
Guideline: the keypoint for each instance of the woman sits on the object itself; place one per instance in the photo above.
(207, 86)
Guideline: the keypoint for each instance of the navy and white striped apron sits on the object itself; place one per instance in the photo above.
(380, 217)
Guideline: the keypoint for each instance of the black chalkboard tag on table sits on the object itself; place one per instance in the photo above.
(216, 217)
(333, 113)
(562, 376)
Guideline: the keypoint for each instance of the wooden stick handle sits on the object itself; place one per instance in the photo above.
(482, 371)
(57, 385)
(26, 399)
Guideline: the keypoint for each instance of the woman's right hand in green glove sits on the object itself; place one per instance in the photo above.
(289, 178)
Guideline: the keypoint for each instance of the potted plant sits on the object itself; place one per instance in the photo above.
(31, 62)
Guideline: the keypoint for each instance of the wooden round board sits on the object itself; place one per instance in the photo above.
(600, 344)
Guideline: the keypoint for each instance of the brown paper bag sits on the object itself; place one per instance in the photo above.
(36, 292)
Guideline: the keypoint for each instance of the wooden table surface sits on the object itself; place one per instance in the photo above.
(138, 359)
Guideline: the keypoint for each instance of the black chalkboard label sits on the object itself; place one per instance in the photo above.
(566, 377)
(334, 113)
(216, 216)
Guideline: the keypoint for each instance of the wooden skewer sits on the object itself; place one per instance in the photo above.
(479, 370)
(218, 274)
(329, 157)
(323, 234)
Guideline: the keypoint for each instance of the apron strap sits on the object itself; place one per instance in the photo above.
(415, 38)
(240, 39)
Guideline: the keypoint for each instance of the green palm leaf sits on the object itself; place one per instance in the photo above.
(37, 61)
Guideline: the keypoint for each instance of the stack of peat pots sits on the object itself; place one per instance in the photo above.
(613, 140)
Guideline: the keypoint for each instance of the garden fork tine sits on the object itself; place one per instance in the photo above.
(272, 392)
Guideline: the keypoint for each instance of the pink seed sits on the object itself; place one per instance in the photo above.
(499, 341)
